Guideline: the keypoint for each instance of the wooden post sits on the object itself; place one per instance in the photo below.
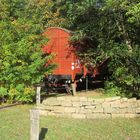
(73, 88)
(86, 83)
(38, 95)
(34, 128)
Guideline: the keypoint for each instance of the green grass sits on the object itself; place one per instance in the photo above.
(15, 125)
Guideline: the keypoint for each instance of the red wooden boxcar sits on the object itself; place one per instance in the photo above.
(68, 67)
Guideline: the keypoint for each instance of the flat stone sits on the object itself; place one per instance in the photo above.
(54, 103)
(124, 105)
(115, 104)
(86, 103)
(61, 98)
(98, 106)
(98, 110)
(83, 99)
(130, 110)
(133, 104)
(83, 111)
(66, 103)
(59, 109)
(79, 116)
(82, 107)
(106, 105)
(65, 115)
(138, 110)
(118, 115)
(112, 98)
(70, 109)
(123, 110)
(138, 103)
(51, 101)
(132, 100)
(109, 110)
(77, 103)
(43, 113)
(46, 107)
(75, 99)
(68, 98)
(115, 111)
(51, 114)
(123, 100)
(90, 99)
(130, 115)
(90, 107)
(98, 116)
(98, 101)
(138, 115)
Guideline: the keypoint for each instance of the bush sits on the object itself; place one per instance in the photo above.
(27, 96)
(13, 94)
(22, 63)
(22, 94)
(3, 94)
(113, 90)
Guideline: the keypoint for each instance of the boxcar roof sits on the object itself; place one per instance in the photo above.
(59, 28)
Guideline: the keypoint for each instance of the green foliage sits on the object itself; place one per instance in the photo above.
(113, 90)
(134, 13)
(21, 62)
(13, 94)
(3, 94)
(22, 94)
(113, 26)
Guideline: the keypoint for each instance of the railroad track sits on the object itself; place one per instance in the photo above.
(8, 106)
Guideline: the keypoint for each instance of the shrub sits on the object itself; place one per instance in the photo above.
(22, 94)
(13, 94)
(27, 96)
(113, 90)
(3, 94)
(22, 63)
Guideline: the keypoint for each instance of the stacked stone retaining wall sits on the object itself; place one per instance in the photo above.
(90, 108)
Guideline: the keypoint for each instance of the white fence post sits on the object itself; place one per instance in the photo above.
(74, 88)
(34, 128)
(38, 95)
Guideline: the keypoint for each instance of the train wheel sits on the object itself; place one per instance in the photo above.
(69, 89)
(73, 85)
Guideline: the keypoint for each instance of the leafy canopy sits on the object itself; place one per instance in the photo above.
(113, 28)
(22, 23)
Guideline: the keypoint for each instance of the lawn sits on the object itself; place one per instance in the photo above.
(15, 125)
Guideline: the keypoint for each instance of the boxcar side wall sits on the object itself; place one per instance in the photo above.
(67, 62)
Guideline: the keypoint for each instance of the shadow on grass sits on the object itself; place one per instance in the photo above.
(42, 134)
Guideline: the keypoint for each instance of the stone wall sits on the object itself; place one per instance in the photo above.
(90, 108)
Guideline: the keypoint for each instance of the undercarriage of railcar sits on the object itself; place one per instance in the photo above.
(59, 83)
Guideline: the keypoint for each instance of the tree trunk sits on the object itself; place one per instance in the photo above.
(121, 28)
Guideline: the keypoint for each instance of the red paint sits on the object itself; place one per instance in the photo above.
(65, 57)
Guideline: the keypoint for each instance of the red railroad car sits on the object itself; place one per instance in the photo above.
(68, 67)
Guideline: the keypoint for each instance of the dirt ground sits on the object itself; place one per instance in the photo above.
(95, 93)
(90, 93)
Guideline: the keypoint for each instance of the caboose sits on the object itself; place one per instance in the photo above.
(69, 67)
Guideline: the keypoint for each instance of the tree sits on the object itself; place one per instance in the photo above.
(113, 26)
(21, 62)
